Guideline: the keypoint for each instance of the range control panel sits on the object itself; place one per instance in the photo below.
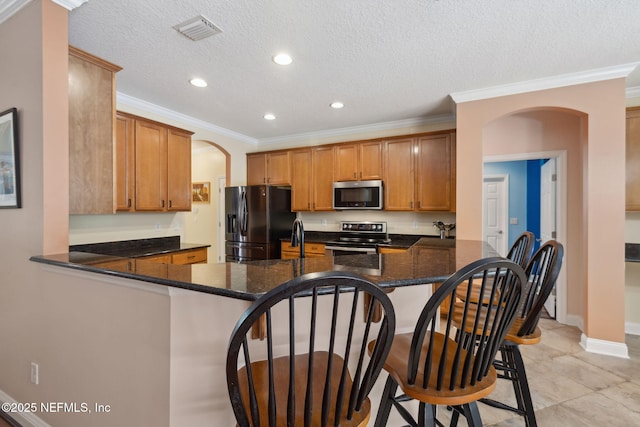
(364, 227)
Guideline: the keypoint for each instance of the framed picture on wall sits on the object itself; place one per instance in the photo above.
(9, 160)
(200, 192)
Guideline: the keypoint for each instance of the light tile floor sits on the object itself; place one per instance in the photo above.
(571, 387)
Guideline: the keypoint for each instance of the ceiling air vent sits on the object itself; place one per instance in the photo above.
(197, 28)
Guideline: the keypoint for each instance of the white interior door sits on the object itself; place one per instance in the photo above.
(222, 183)
(495, 212)
(548, 217)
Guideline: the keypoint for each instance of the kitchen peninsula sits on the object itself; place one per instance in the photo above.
(160, 331)
(429, 260)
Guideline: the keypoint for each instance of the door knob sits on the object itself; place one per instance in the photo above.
(499, 231)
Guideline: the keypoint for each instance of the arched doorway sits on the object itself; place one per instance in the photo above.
(210, 166)
(557, 134)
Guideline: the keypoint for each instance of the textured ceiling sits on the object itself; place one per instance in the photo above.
(386, 60)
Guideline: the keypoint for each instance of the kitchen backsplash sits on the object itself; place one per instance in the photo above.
(397, 222)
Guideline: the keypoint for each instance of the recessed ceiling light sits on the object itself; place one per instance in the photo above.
(282, 59)
(337, 105)
(269, 116)
(198, 82)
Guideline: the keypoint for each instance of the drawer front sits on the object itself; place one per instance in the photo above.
(190, 257)
(309, 248)
(164, 259)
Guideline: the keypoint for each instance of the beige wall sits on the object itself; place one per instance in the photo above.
(93, 341)
(602, 160)
(208, 164)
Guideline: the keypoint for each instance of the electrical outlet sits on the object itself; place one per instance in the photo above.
(35, 373)
(513, 221)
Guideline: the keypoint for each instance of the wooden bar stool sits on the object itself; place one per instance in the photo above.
(311, 369)
(432, 365)
(520, 253)
(542, 272)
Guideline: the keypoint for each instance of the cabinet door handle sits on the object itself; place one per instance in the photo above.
(128, 203)
(419, 204)
(170, 203)
(354, 175)
(411, 205)
(163, 203)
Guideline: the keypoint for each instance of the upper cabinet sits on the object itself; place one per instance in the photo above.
(419, 173)
(153, 164)
(358, 161)
(269, 168)
(91, 133)
(633, 159)
(312, 179)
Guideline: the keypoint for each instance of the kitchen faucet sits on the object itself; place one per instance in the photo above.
(298, 228)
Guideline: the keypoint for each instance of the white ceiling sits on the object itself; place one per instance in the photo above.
(387, 60)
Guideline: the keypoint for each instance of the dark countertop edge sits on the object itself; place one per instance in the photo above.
(207, 289)
(149, 279)
(138, 247)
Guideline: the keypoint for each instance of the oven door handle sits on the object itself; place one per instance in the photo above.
(348, 249)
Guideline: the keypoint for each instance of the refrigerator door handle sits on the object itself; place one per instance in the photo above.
(231, 223)
(244, 220)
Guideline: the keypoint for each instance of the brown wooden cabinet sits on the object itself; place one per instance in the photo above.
(153, 161)
(269, 168)
(434, 173)
(312, 179)
(633, 159)
(91, 133)
(420, 173)
(358, 161)
(125, 163)
(190, 256)
(399, 179)
(311, 249)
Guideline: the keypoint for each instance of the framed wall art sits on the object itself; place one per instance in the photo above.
(200, 192)
(9, 160)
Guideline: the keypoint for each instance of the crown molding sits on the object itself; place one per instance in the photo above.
(131, 101)
(589, 76)
(398, 124)
(9, 8)
(70, 4)
(633, 92)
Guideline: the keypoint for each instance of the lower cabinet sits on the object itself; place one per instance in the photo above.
(192, 256)
(310, 250)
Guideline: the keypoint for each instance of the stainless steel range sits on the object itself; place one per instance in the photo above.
(358, 237)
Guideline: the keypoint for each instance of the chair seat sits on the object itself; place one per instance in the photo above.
(530, 339)
(462, 293)
(396, 365)
(260, 371)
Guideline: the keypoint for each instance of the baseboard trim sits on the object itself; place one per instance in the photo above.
(609, 348)
(632, 328)
(27, 419)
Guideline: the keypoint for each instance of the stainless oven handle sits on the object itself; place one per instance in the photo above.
(348, 249)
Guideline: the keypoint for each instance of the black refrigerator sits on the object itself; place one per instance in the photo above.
(257, 217)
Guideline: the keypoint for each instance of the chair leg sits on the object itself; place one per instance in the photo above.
(472, 414)
(385, 403)
(524, 393)
(426, 415)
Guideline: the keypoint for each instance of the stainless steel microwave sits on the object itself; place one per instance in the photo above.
(358, 194)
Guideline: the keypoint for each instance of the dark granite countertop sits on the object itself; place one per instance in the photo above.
(427, 261)
(138, 248)
(632, 252)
